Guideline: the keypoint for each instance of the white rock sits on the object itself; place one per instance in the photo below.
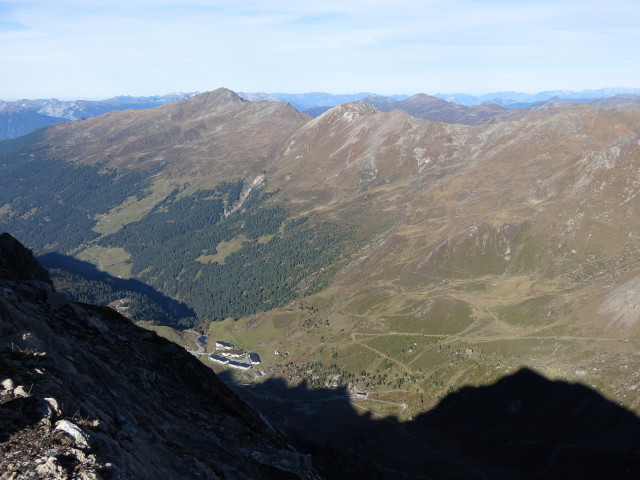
(89, 475)
(49, 467)
(19, 391)
(7, 384)
(81, 438)
(53, 403)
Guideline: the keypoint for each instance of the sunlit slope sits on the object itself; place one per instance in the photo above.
(212, 134)
(482, 248)
(552, 196)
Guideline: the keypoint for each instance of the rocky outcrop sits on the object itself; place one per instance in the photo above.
(17, 263)
(85, 394)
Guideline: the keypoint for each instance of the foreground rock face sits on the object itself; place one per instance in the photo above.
(86, 394)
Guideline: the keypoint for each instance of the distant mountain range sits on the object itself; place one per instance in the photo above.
(16, 121)
(510, 98)
(304, 101)
(23, 116)
(433, 108)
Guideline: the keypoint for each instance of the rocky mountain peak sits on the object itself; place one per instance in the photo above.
(341, 116)
(219, 97)
(358, 107)
(423, 97)
(213, 133)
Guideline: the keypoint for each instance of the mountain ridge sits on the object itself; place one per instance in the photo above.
(151, 136)
(434, 108)
(52, 110)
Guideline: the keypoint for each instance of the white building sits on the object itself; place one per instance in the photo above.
(234, 353)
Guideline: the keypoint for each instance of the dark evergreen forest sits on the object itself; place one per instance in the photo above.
(269, 269)
(51, 206)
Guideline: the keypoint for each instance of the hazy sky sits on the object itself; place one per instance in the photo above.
(96, 49)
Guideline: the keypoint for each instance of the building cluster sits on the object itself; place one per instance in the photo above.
(226, 351)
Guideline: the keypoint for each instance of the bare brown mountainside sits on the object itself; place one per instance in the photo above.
(433, 108)
(214, 133)
(548, 162)
(626, 102)
(476, 248)
(528, 227)
(553, 193)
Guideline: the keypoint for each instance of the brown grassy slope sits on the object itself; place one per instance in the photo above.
(214, 133)
(552, 195)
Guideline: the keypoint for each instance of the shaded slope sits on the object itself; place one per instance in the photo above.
(132, 405)
(83, 282)
(522, 426)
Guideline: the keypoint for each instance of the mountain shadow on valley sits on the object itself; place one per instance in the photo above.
(85, 393)
(84, 282)
(522, 426)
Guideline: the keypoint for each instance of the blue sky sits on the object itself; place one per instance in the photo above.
(96, 49)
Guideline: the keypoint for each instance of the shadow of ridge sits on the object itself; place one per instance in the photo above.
(523, 425)
(90, 272)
